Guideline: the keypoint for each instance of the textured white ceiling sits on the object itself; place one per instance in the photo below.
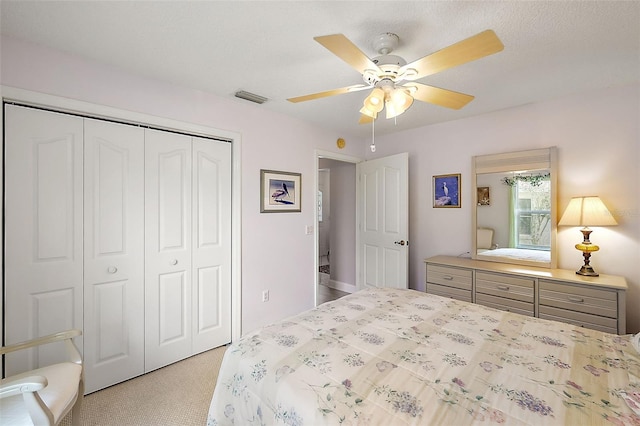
(552, 48)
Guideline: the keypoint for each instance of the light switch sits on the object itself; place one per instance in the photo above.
(308, 229)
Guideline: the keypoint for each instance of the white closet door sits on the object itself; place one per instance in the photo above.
(211, 244)
(43, 224)
(113, 253)
(168, 289)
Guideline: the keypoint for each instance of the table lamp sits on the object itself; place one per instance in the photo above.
(587, 211)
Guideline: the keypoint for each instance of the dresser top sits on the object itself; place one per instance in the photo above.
(609, 281)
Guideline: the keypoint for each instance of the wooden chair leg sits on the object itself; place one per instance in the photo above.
(76, 412)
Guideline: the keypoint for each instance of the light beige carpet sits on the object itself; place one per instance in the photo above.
(178, 394)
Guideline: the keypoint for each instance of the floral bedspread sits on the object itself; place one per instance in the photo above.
(395, 357)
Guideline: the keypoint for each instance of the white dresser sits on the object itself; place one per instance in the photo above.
(556, 294)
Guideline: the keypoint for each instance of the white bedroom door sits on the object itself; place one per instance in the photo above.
(43, 225)
(113, 253)
(383, 222)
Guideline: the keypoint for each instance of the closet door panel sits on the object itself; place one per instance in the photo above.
(173, 303)
(43, 230)
(211, 244)
(168, 317)
(113, 253)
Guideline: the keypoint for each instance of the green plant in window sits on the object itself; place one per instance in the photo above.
(533, 180)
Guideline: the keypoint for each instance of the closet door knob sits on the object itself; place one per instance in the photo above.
(174, 262)
(112, 269)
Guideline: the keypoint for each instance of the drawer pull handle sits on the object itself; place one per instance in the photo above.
(112, 269)
(576, 299)
(503, 287)
(447, 277)
(174, 262)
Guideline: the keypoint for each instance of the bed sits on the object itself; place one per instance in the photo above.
(396, 357)
(519, 254)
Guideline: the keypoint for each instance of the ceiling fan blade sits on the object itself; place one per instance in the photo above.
(342, 47)
(354, 88)
(442, 97)
(478, 46)
(365, 119)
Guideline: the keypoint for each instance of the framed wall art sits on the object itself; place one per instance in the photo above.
(280, 191)
(446, 191)
(483, 198)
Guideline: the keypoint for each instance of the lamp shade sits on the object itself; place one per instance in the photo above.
(399, 101)
(373, 103)
(368, 113)
(587, 211)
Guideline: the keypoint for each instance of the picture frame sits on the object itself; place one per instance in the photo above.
(280, 192)
(446, 191)
(483, 196)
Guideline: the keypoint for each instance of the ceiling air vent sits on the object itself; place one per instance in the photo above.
(251, 97)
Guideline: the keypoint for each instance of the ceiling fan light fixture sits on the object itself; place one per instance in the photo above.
(373, 103)
(365, 111)
(398, 102)
(401, 98)
(392, 111)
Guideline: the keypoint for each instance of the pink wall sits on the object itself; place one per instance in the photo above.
(597, 135)
(598, 140)
(343, 234)
(343, 223)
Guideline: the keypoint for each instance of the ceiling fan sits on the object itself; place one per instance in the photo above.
(394, 81)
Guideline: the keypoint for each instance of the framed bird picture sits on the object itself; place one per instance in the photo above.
(280, 191)
(446, 191)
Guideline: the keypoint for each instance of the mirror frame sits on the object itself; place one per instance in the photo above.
(536, 159)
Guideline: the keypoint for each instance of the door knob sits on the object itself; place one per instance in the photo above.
(174, 262)
(401, 242)
(112, 269)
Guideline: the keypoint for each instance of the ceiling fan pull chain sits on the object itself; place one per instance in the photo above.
(373, 136)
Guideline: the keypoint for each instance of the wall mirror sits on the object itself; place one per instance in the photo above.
(514, 214)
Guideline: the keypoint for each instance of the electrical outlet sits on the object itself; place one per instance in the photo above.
(265, 295)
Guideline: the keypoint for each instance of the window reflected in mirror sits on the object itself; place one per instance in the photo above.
(532, 215)
(515, 208)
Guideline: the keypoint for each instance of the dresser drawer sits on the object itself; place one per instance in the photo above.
(555, 294)
(505, 286)
(450, 277)
(595, 322)
(505, 304)
(589, 300)
(451, 292)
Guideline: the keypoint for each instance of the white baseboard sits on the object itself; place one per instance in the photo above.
(338, 285)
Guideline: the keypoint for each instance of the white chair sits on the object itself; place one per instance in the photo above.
(484, 240)
(46, 395)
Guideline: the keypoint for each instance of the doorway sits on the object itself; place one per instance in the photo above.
(335, 242)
